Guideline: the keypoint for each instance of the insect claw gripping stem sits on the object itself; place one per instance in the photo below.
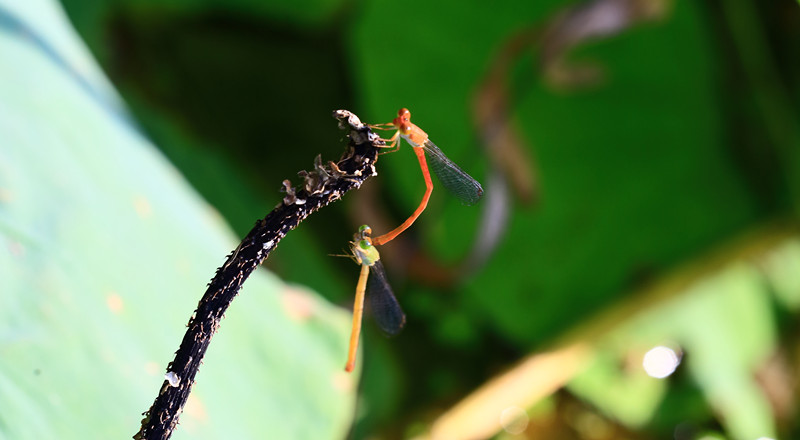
(323, 185)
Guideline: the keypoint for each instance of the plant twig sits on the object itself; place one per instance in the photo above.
(323, 185)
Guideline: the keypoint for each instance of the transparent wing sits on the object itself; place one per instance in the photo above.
(381, 302)
(456, 180)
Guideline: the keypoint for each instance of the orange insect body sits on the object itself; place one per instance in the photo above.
(461, 184)
(416, 137)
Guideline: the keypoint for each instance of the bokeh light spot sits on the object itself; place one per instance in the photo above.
(660, 362)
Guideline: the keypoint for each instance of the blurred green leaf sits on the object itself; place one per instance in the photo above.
(628, 394)
(90, 17)
(780, 267)
(634, 174)
(107, 250)
(725, 327)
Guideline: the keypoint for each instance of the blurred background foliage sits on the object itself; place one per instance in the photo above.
(642, 169)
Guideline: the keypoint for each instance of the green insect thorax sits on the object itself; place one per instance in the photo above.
(365, 253)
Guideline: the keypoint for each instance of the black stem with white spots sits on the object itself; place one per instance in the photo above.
(321, 186)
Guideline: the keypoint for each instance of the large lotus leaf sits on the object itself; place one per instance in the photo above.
(107, 251)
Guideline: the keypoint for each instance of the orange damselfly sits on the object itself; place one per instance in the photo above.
(380, 298)
(456, 180)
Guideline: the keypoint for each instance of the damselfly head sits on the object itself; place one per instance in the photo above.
(403, 121)
(364, 233)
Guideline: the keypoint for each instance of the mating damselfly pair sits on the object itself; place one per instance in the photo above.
(372, 282)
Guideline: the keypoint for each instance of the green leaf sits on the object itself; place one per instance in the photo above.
(633, 173)
(724, 327)
(107, 251)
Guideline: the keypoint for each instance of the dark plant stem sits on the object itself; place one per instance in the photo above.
(323, 185)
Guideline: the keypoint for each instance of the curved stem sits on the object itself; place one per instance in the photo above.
(327, 184)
